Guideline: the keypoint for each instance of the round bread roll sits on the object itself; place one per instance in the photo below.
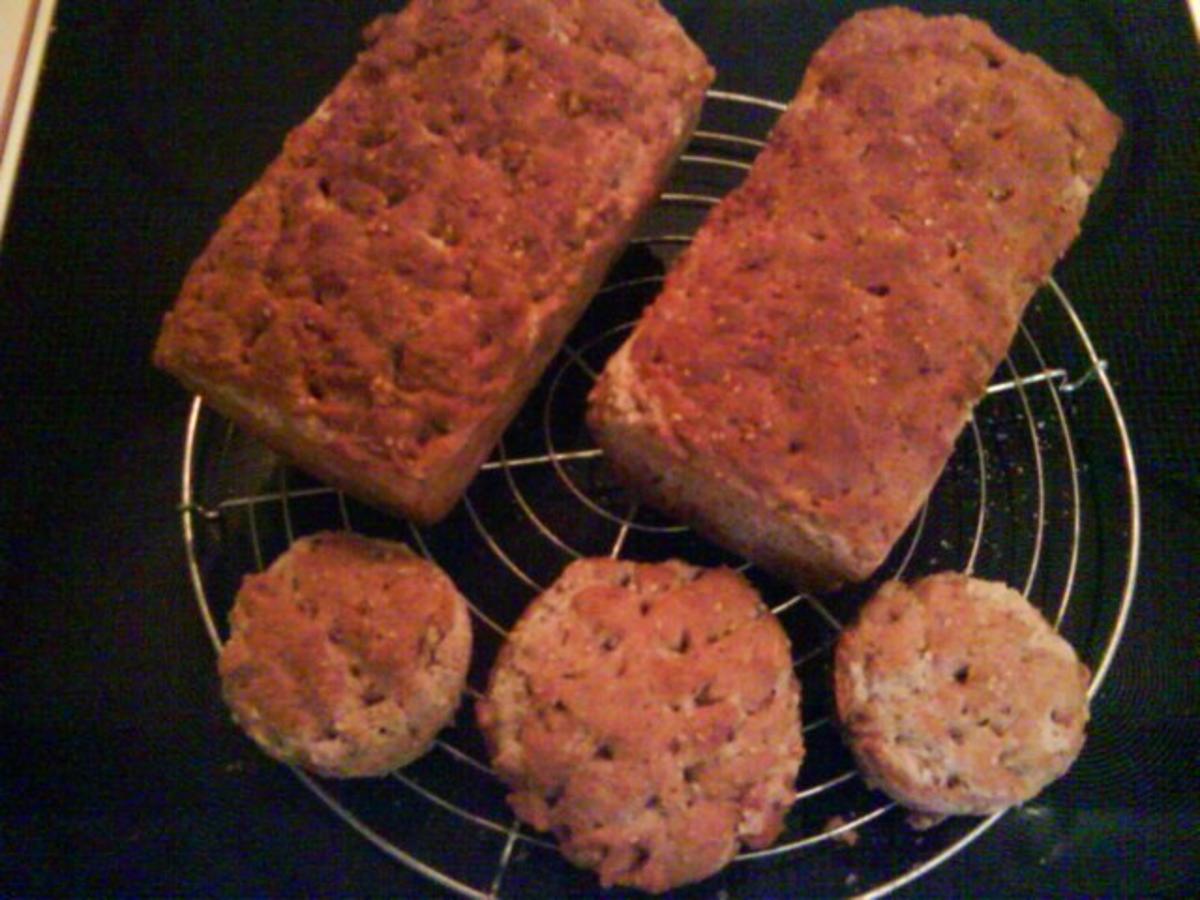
(649, 716)
(957, 697)
(347, 655)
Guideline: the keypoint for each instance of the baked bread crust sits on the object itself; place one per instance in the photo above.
(648, 715)
(957, 697)
(377, 306)
(347, 656)
(800, 383)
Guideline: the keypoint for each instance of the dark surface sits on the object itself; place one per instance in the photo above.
(120, 772)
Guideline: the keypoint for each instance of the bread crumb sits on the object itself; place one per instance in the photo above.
(919, 821)
(849, 837)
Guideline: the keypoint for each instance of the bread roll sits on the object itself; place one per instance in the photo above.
(957, 697)
(649, 716)
(346, 656)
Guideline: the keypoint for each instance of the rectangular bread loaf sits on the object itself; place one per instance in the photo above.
(378, 305)
(799, 384)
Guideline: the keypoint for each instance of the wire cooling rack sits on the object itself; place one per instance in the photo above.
(1017, 503)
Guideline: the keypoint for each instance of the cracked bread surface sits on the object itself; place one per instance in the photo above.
(799, 384)
(648, 715)
(377, 306)
(346, 656)
(957, 697)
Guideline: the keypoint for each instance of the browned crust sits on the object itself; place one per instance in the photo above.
(819, 348)
(957, 697)
(648, 715)
(346, 656)
(379, 304)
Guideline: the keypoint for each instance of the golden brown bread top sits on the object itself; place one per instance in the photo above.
(386, 278)
(648, 714)
(347, 655)
(826, 335)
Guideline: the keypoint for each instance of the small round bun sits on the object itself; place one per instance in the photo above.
(957, 697)
(347, 655)
(649, 716)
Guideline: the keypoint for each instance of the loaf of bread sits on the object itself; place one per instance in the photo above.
(799, 385)
(378, 305)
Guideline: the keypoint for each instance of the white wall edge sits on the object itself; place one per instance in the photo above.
(25, 79)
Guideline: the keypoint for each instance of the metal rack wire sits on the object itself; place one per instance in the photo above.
(1013, 504)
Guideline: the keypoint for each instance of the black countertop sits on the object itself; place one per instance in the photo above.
(121, 772)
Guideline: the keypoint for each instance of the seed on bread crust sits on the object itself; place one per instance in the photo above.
(957, 697)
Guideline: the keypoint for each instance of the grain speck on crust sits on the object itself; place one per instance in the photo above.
(648, 715)
(346, 656)
(957, 697)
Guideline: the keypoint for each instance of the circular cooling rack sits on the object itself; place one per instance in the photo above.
(1017, 503)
